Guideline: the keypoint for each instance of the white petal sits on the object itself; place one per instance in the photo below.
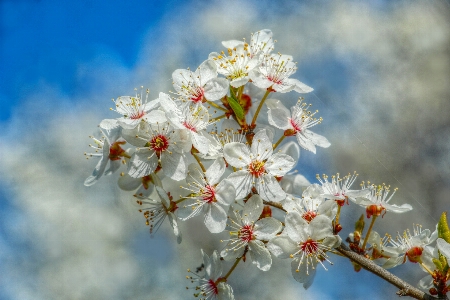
(294, 184)
(242, 182)
(230, 254)
(317, 139)
(114, 165)
(142, 163)
(261, 146)
(111, 129)
(238, 82)
(181, 77)
(215, 218)
(98, 171)
(269, 189)
(259, 79)
(200, 142)
(232, 44)
(174, 224)
(300, 87)
(206, 71)
(320, 227)
(252, 209)
(174, 165)
(128, 183)
(260, 255)
(306, 272)
(282, 246)
(216, 88)
(296, 227)
(443, 247)
(398, 209)
(215, 171)
(305, 143)
(225, 291)
(155, 117)
(267, 228)
(279, 164)
(279, 118)
(292, 149)
(147, 107)
(225, 192)
(237, 154)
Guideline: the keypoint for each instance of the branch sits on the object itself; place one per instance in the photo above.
(405, 288)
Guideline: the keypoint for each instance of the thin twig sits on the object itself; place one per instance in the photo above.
(405, 288)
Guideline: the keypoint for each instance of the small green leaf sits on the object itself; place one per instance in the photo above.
(438, 264)
(359, 225)
(235, 106)
(443, 230)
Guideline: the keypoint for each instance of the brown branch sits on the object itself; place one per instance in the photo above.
(405, 288)
(274, 204)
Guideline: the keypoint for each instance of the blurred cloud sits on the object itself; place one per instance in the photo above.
(379, 71)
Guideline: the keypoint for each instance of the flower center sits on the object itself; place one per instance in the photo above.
(295, 125)
(309, 215)
(198, 95)
(256, 168)
(209, 194)
(309, 247)
(189, 126)
(159, 143)
(246, 233)
(116, 152)
(213, 287)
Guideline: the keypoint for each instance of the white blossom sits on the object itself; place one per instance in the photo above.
(109, 149)
(208, 195)
(257, 167)
(297, 122)
(274, 73)
(134, 110)
(211, 285)
(200, 85)
(156, 210)
(260, 41)
(248, 234)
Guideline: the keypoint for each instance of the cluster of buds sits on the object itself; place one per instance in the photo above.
(210, 139)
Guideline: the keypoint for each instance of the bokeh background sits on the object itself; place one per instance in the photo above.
(380, 70)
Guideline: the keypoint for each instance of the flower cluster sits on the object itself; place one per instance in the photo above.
(207, 140)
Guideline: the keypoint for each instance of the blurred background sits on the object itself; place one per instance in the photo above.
(380, 70)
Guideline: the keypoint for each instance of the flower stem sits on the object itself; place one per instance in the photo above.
(232, 268)
(368, 232)
(425, 267)
(260, 105)
(279, 141)
(216, 106)
(218, 118)
(199, 162)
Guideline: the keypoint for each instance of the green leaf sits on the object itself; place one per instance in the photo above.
(438, 264)
(443, 230)
(235, 106)
(359, 225)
